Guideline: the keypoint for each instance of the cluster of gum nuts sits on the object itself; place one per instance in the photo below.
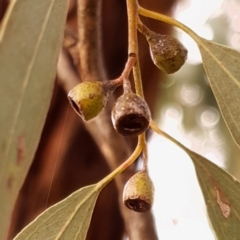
(130, 113)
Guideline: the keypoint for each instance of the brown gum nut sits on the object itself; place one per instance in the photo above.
(167, 52)
(138, 192)
(130, 115)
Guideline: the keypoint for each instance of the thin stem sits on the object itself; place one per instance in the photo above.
(123, 166)
(128, 67)
(143, 29)
(132, 8)
(127, 86)
(169, 20)
(132, 24)
(156, 129)
(138, 79)
(113, 84)
(144, 153)
(125, 73)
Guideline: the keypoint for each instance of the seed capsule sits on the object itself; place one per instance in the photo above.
(88, 99)
(167, 52)
(138, 192)
(130, 115)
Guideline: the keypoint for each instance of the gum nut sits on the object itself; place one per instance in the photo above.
(138, 192)
(130, 115)
(87, 99)
(167, 52)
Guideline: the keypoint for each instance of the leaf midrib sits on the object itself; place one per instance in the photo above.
(201, 43)
(26, 82)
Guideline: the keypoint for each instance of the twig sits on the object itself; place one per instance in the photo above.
(113, 146)
(125, 73)
(132, 7)
(169, 20)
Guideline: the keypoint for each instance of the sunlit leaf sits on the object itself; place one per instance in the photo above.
(222, 197)
(68, 219)
(220, 190)
(222, 65)
(30, 40)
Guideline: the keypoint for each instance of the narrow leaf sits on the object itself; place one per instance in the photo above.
(222, 67)
(68, 219)
(222, 197)
(221, 192)
(30, 39)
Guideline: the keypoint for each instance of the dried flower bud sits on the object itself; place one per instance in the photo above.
(167, 52)
(138, 192)
(130, 115)
(88, 99)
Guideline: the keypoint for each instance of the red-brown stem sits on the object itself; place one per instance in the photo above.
(126, 71)
(111, 85)
(128, 67)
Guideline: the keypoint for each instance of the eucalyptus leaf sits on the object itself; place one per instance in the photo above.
(68, 219)
(222, 197)
(30, 39)
(222, 65)
(221, 192)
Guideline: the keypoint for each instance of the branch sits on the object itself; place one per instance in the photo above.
(113, 146)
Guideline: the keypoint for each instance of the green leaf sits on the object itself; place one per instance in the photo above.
(222, 67)
(222, 197)
(221, 192)
(68, 219)
(30, 40)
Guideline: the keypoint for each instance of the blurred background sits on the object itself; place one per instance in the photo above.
(72, 154)
(188, 111)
